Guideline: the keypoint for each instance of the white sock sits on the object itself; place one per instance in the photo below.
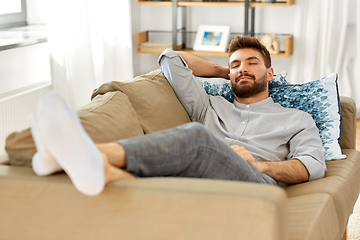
(43, 163)
(67, 141)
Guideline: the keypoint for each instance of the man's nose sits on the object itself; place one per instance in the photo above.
(243, 68)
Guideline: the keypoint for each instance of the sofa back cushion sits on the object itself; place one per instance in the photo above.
(118, 110)
(153, 100)
(110, 117)
(106, 118)
(20, 148)
(348, 131)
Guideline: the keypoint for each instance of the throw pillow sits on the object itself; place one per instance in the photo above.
(222, 86)
(279, 79)
(319, 98)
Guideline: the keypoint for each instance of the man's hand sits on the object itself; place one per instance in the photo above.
(244, 154)
(289, 171)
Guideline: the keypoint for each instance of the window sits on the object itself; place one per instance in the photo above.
(12, 13)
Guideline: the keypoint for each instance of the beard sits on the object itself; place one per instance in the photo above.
(249, 90)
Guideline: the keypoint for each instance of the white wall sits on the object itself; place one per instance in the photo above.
(37, 11)
(268, 20)
(26, 66)
(24, 78)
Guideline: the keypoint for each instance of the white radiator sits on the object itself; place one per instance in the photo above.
(15, 109)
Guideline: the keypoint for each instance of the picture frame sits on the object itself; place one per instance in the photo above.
(213, 38)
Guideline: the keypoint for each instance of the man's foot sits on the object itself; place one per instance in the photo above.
(43, 163)
(113, 173)
(65, 139)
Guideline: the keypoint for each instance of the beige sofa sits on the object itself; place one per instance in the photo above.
(50, 207)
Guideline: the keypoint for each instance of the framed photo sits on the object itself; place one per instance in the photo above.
(212, 38)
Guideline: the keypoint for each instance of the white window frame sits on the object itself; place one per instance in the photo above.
(14, 19)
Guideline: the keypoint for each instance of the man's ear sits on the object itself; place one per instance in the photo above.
(270, 73)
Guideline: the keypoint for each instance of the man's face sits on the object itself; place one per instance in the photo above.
(248, 73)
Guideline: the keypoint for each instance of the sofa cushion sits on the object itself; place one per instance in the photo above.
(312, 216)
(142, 208)
(153, 99)
(341, 182)
(110, 117)
(106, 118)
(20, 148)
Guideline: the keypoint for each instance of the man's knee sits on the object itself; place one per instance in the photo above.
(194, 126)
(196, 129)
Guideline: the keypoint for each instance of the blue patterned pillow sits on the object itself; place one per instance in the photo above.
(222, 86)
(319, 98)
(218, 87)
(279, 79)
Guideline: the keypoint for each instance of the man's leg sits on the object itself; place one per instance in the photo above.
(61, 139)
(44, 164)
(186, 151)
(189, 150)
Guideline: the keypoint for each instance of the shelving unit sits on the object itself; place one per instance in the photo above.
(228, 3)
(143, 37)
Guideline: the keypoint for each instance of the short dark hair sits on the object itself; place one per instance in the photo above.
(250, 42)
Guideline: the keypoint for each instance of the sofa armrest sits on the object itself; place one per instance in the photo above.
(144, 208)
(348, 131)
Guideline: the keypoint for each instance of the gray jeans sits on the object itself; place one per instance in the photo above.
(189, 150)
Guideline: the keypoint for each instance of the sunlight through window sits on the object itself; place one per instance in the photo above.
(10, 6)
